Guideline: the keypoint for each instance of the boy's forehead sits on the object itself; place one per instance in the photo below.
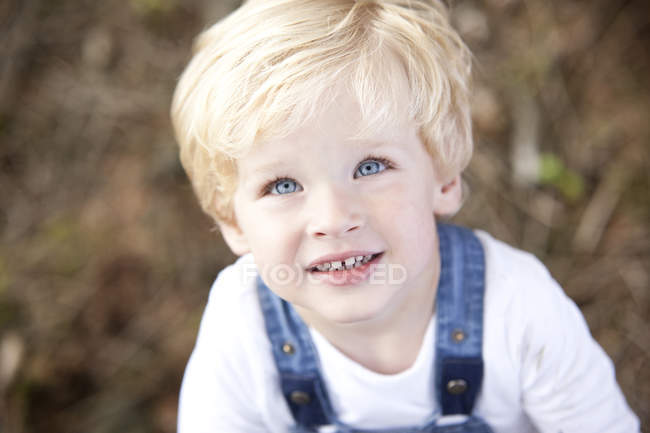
(272, 155)
(339, 124)
(341, 114)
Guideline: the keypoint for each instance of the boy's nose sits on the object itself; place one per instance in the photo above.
(334, 213)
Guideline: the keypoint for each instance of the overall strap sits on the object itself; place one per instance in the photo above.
(295, 358)
(459, 315)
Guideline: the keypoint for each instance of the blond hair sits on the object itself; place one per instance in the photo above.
(261, 72)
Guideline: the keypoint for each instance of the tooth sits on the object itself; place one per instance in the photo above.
(358, 258)
(323, 267)
(337, 265)
(367, 258)
(349, 261)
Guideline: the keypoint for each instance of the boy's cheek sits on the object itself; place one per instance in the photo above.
(271, 241)
(400, 203)
(412, 220)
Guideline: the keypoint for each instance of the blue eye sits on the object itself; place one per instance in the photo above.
(284, 186)
(369, 167)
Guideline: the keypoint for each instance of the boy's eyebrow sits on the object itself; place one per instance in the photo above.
(271, 168)
(263, 172)
(268, 167)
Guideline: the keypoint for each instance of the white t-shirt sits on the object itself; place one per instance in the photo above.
(543, 371)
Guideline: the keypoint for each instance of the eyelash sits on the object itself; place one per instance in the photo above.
(266, 189)
(388, 163)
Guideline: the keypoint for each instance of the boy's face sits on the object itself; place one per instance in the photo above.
(320, 196)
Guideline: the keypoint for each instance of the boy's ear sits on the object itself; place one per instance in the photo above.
(448, 197)
(234, 237)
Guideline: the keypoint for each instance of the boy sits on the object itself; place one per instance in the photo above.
(324, 136)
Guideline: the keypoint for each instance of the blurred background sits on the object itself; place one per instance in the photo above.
(106, 259)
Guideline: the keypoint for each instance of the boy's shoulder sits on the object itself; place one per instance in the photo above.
(508, 261)
(231, 364)
(232, 314)
(235, 281)
(524, 304)
(233, 295)
(516, 279)
(232, 327)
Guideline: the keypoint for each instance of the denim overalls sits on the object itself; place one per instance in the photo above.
(458, 359)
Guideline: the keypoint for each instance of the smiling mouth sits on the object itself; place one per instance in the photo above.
(346, 264)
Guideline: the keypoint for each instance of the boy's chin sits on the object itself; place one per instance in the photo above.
(343, 313)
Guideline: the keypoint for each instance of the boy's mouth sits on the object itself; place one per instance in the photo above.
(344, 264)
